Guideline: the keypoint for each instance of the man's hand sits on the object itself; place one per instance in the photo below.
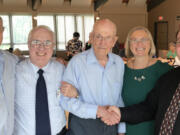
(109, 117)
(113, 110)
(68, 90)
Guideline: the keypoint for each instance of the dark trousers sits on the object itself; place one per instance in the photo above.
(78, 126)
(63, 131)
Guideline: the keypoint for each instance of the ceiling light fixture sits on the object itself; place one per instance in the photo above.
(125, 1)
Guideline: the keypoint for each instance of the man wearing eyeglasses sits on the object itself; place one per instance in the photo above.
(97, 74)
(7, 78)
(37, 111)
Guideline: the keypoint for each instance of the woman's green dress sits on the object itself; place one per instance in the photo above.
(137, 84)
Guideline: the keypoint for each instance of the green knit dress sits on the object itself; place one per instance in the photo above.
(137, 84)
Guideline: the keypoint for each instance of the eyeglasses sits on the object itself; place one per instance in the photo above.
(142, 40)
(106, 39)
(38, 43)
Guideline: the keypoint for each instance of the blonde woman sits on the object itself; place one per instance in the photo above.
(141, 73)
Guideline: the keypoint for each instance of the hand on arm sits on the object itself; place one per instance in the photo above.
(107, 116)
(68, 90)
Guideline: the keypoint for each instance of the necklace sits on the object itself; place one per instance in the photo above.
(142, 77)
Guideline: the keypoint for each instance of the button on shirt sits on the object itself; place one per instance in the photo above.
(96, 85)
(27, 76)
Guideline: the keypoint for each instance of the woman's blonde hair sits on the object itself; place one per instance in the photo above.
(128, 52)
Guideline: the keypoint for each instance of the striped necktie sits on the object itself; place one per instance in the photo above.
(171, 114)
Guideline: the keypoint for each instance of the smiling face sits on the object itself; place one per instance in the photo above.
(104, 37)
(40, 55)
(140, 43)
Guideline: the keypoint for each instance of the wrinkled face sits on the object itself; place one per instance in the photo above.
(103, 39)
(40, 54)
(140, 43)
(178, 45)
(1, 31)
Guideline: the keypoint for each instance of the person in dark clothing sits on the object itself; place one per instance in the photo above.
(74, 46)
(89, 42)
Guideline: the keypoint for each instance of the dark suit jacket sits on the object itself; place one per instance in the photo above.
(156, 103)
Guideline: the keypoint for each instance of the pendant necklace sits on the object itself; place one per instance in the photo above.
(141, 77)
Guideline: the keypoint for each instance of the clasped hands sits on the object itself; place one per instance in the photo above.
(110, 115)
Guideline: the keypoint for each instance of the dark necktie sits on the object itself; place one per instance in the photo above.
(171, 114)
(42, 109)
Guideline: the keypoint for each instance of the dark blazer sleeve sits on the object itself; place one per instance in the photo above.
(145, 110)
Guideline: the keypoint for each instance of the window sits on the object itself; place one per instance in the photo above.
(61, 41)
(17, 28)
(88, 25)
(67, 25)
(21, 26)
(80, 27)
(46, 20)
(6, 34)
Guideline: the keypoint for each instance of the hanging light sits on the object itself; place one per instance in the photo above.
(148, 1)
(125, 1)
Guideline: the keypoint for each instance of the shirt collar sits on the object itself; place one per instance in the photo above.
(91, 58)
(35, 68)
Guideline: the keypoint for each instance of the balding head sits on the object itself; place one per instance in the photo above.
(104, 37)
(38, 28)
(106, 23)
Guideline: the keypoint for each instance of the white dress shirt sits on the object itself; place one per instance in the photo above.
(26, 75)
(177, 61)
(7, 75)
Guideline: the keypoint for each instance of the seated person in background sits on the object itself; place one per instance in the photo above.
(62, 61)
(74, 46)
(172, 50)
(10, 50)
(37, 110)
(18, 53)
(88, 44)
(119, 49)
